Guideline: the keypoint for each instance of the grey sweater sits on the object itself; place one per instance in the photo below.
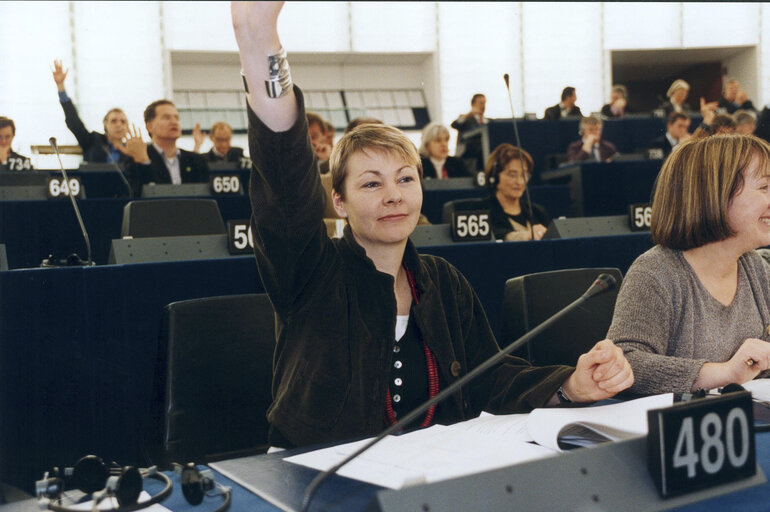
(669, 325)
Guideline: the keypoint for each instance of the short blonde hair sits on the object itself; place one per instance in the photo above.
(696, 184)
(430, 133)
(377, 138)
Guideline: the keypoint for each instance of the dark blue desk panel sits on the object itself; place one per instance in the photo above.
(79, 344)
(599, 189)
(542, 138)
(32, 230)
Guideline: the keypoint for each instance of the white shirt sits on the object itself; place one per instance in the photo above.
(674, 142)
(172, 164)
(439, 166)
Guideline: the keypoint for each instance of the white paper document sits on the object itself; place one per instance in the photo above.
(112, 504)
(481, 444)
(760, 389)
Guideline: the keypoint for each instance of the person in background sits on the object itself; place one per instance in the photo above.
(367, 328)
(591, 146)
(734, 98)
(470, 150)
(692, 311)
(713, 123)
(329, 133)
(745, 122)
(434, 152)
(567, 107)
(9, 159)
(509, 212)
(107, 147)
(618, 105)
(221, 135)
(161, 161)
(677, 131)
(677, 97)
(357, 121)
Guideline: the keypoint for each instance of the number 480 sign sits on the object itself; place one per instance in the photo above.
(701, 443)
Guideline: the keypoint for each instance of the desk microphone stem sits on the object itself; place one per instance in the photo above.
(89, 261)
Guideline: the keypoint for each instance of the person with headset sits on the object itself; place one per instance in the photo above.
(511, 216)
(367, 328)
(108, 147)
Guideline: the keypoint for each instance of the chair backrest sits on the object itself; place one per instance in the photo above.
(458, 205)
(531, 299)
(214, 383)
(172, 217)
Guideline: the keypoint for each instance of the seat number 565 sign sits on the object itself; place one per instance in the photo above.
(470, 225)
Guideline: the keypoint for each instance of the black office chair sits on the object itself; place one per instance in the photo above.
(172, 217)
(458, 205)
(213, 387)
(531, 299)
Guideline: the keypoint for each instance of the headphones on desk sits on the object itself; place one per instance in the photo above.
(197, 484)
(92, 476)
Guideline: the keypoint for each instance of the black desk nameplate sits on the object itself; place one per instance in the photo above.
(225, 184)
(701, 443)
(471, 225)
(240, 240)
(59, 187)
(639, 215)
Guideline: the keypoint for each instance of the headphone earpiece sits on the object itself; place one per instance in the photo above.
(196, 484)
(494, 175)
(90, 474)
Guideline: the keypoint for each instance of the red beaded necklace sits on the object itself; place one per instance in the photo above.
(430, 361)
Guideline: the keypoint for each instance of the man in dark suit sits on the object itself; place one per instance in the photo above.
(161, 161)
(677, 131)
(221, 134)
(734, 98)
(591, 147)
(470, 150)
(566, 108)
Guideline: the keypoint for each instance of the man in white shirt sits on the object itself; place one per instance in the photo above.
(161, 161)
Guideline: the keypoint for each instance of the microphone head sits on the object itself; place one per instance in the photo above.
(506, 78)
(52, 141)
(603, 283)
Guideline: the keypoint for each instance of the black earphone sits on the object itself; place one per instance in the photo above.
(92, 476)
(494, 175)
(197, 484)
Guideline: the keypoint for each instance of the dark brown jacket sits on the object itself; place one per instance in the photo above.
(336, 313)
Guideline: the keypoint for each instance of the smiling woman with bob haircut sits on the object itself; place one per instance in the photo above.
(366, 327)
(694, 311)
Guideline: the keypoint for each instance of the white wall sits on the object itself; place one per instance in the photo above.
(118, 52)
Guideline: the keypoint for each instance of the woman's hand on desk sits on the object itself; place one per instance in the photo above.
(752, 358)
(601, 372)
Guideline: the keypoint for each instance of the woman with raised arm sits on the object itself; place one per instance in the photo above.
(694, 311)
(367, 329)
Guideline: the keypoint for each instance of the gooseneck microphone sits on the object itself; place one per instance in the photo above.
(521, 158)
(602, 284)
(89, 261)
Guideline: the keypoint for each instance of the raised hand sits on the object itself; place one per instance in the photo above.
(707, 110)
(256, 31)
(59, 75)
(199, 137)
(134, 146)
(601, 372)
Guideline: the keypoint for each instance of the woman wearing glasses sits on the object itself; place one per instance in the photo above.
(509, 212)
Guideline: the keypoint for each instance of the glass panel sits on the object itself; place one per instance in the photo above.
(390, 116)
(338, 119)
(401, 98)
(354, 100)
(222, 99)
(197, 99)
(371, 99)
(416, 99)
(334, 99)
(406, 117)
